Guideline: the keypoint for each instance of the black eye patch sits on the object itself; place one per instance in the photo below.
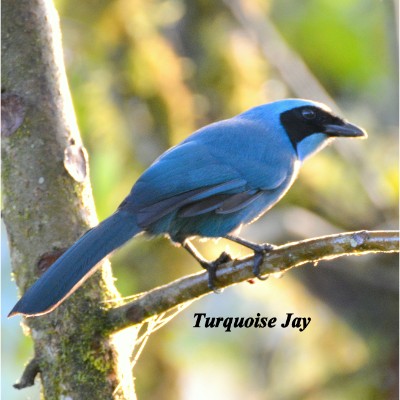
(304, 121)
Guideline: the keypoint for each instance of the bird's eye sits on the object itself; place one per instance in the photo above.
(307, 113)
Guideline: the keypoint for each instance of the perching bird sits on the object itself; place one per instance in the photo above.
(223, 176)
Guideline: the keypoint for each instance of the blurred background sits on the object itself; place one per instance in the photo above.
(146, 73)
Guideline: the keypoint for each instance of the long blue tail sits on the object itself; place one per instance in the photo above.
(76, 264)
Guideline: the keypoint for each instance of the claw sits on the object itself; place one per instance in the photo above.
(258, 258)
(212, 267)
(259, 253)
(223, 258)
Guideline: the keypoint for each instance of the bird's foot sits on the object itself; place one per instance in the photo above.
(212, 266)
(259, 252)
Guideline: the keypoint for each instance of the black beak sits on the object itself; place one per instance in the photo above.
(345, 130)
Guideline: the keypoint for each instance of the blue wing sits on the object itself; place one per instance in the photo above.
(223, 167)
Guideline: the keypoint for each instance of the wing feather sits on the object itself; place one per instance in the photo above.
(150, 214)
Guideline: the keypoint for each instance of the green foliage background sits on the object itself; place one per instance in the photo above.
(146, 73)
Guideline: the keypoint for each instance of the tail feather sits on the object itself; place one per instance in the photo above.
(76, 264)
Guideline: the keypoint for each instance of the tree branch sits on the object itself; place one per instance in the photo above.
(29, 375)
(280, 259)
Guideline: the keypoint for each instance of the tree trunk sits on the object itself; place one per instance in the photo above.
(48, 204)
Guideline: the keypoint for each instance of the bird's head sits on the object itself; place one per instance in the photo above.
(309, 125)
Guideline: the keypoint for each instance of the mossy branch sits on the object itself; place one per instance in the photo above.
(280, 259)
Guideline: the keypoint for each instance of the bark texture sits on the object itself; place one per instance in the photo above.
(48, 204)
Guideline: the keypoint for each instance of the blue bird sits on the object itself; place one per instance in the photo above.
(223, 176)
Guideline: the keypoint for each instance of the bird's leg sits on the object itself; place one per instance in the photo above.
(259, 251)
(210, 266)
